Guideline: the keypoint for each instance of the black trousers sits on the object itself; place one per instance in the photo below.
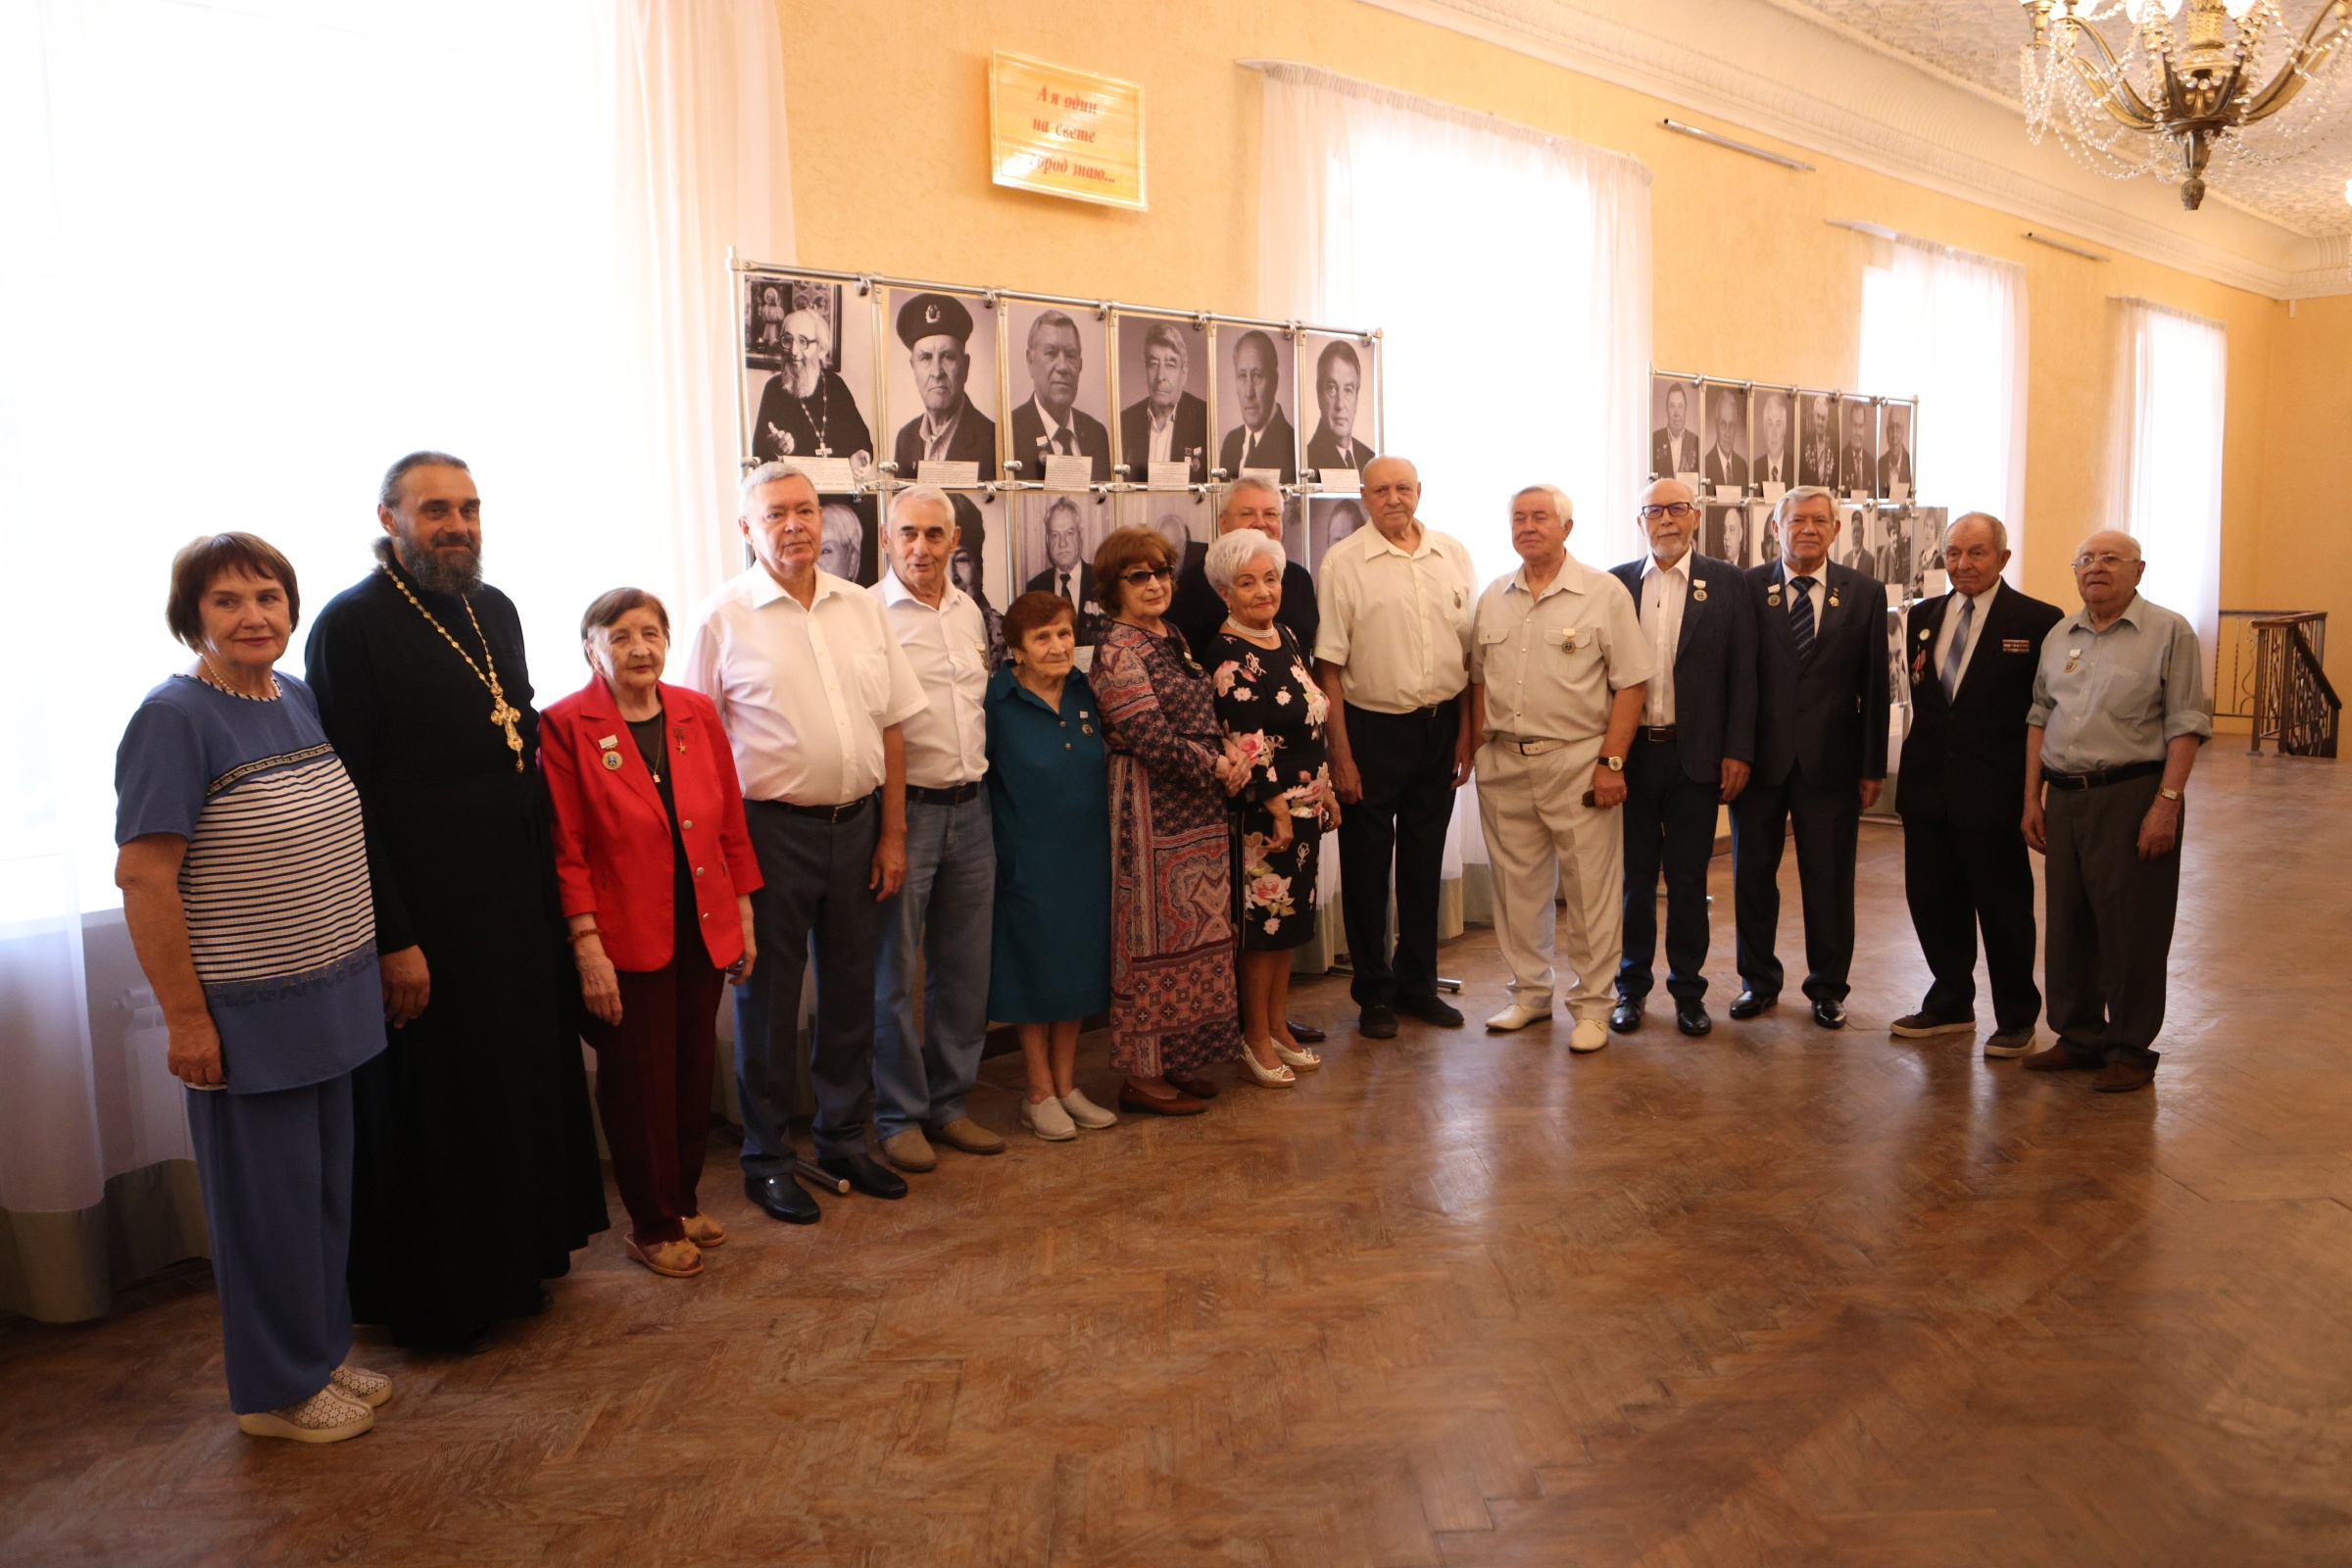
(1669, 823)
(1405, 761)
(1829, 828)
(1957, 878)
(2110, 916)
(816, 873)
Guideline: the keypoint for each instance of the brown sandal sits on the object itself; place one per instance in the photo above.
(680, 1259)
(704, 1231)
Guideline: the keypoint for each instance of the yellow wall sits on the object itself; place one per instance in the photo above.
(2306, 559)
(888, 105)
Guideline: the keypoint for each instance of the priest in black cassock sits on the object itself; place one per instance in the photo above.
(475, 1173)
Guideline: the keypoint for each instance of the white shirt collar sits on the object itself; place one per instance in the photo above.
(896, 592)
(1682, 564)
(763, 589)
(1052, 426)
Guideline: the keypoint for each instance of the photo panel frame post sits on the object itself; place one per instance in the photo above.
(1057, 367)
(943, 387)
(1342, 397)
(1255, 387)
(1674, 420)
(1724, 438)
(809, 390)
(1166, 372)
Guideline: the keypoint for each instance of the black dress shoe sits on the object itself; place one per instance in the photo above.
(1691, 1016)
(1626, 1016)
(1830, 1014)
(1377, 1022)
(1747, 1005)
(1307, 1033)
(865, 1175)
(1429, 1009)
(782, 1198)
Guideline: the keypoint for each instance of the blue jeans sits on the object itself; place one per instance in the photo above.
(946, 912)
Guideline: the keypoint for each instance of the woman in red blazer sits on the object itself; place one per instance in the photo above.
(656, 873)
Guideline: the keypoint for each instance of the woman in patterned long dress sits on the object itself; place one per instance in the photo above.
(1273, 710)
(1171, 899)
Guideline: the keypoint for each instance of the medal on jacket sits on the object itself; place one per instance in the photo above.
(1771, 595)
(1698, 589)
(1832, 599)
(610, 745)
(2074, 657)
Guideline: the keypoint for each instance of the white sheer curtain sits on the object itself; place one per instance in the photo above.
(2172, 386)
(1509, 271)
(1948, 327)
(247, 257)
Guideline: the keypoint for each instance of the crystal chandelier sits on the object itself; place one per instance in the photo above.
(2189, 81)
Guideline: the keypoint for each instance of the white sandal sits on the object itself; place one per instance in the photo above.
(324, 1417)
(1303, 1060)
(1278, 1076)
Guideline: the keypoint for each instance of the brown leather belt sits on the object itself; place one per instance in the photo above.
(953, 795)
(1663, 734)
(2099, 778)
(823, 814)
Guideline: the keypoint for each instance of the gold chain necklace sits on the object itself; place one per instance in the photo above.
(501, 712)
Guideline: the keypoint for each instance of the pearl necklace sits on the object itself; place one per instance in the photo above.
(204, 663)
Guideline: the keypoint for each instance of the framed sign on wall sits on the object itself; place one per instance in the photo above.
(1065, 133)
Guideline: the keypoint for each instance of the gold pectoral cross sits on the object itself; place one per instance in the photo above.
(506, 714)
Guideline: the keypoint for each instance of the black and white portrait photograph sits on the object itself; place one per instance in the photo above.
(1898, 428)
(1727, 531)
(1928, 524)
(1772, 452)
(1898, 673)
(810, 350)
(1060, 365)
(1768, 537)
(1054, 547)
(942, 385)
(1186, 519)
(1723, 406)
(1817, 440)
(981, 564)
(1163, 396)
(1255, 399)
(1330, 519)
(1674, 444)
(1895, 522)
(1857, 447)
(1851, 547)
(1343, 402)
(1295, 544)
(851, 546)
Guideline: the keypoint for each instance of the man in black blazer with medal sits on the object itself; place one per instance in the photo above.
(1691, 752)
(1048, 422)
(1167, 423)
(1969, 655)
(1821, 753)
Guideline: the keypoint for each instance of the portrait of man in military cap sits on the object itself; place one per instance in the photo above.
(1344, 404)
(1063, 366)
(949, 377)
(1257, 364)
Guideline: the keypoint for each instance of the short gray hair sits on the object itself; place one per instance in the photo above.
(1240, 486)
(2126, 538)
(2000, 534)
(923, 495)
(1164, 334)
(389, 495)
(1552, 492)
(1050, 319)
(768, 472)
(1231, 552)
(1802, 492)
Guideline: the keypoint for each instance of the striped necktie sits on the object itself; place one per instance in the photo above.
(1800, 615)
(1958, 650)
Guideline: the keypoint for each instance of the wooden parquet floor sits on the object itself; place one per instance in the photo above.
(1780, 1297)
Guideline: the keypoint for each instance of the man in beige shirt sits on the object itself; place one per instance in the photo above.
(1391, 650)
(1559, 671)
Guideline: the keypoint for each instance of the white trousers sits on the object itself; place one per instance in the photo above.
(1542, 837)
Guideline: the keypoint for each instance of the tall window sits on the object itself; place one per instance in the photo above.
(2171, 397)
(1949, 327)
(1510, 273)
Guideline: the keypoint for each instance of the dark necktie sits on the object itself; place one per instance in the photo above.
(1066, 585)
(1800, 616)
(1958, 650)
(1061, 444)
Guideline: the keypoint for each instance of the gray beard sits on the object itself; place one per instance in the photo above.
(433, 574)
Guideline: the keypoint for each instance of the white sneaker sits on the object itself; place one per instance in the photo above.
(1045, 1118)
(1591, 1035)
(1085, 1113)
(324, 1417)
(1518, 1015)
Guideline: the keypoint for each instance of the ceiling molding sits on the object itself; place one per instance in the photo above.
(1760, 66)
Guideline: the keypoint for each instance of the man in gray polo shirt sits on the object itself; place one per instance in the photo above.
(2120, 709)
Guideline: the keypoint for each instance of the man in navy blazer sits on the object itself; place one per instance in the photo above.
(1821, 753)
(1691, 752)
(1969, 655)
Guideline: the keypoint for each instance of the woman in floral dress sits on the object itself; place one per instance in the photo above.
(1171, 899)
(1273, 710)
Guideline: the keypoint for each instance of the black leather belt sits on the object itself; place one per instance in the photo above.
(824, 813)
(2100, 778)
(1663, 734)
(954, 795)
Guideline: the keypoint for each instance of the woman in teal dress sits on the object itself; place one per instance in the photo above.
(1049, 969)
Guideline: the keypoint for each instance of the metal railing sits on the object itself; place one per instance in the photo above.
(2233, 659)
(2294, 702)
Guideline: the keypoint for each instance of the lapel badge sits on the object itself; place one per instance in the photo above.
(1699, 594)
(607, 742)
(1925, 634)
(612, 762)
(1772, 594)
(1832, 599)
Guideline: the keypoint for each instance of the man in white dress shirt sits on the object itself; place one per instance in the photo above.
(1392, 649)
(813, 689)
(1558, 671)
(942, 916)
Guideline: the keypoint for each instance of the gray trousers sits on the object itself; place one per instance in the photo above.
(816, 875)
(944, 920)
(2107, 920)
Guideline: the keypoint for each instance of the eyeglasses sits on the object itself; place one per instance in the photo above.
(1677, 510)
(2105, 558)
(1144, 574)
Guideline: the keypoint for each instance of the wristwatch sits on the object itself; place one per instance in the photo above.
(2169, 794)
(1615, 765)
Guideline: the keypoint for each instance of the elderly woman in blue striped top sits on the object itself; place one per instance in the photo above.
(244, 876)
